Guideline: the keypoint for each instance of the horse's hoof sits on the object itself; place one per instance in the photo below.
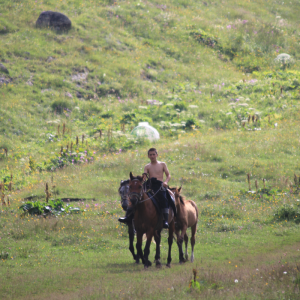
(168, 266)
(149, 263)
(137, 261)
(158, 264)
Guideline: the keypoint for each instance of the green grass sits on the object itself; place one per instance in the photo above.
(210, 66)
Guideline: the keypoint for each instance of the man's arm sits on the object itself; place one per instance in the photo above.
(146, 171)
(165, 183)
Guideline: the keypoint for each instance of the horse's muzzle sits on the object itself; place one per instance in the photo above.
(134, 198)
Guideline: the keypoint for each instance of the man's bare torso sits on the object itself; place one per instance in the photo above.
(156, 170)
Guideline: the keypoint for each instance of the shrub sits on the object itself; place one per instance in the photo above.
(190, 123)
(180, 106)
(287, 213)
(107, 115)
(60, 105)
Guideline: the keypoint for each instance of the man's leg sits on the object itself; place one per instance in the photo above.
(164, 207)
(166, 218)
(128, 217)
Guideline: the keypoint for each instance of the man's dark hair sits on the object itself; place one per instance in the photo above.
(152, 149)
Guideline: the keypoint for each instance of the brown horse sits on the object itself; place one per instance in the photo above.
(187, 216)
(147, 220)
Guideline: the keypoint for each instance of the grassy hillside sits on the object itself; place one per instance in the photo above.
(202, 73)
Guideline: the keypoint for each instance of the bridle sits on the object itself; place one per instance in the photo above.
(135, 194)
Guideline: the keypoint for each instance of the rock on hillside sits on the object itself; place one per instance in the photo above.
(53, 19)
(3, 69)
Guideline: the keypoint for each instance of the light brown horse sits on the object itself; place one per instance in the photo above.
(147, 220)
(187, 216)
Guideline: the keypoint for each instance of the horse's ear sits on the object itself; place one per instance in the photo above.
(179, 189)
(131, 176)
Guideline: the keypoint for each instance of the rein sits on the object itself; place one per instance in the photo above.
(140, 195)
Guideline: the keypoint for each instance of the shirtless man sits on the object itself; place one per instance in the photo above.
(155, 169)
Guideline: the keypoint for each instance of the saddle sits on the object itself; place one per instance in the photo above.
(155, 200)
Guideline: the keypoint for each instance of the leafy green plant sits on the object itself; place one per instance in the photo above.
(287, 213)
(52, 207)
(4, 255)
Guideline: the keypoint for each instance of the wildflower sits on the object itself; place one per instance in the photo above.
(284, 273)
(236, 281)
(228, 26)
(245, 21)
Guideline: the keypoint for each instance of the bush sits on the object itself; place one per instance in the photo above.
(287, 213)
(60, 105)
(180, 106)
(52, 207)
(107, 115)
(190, 123)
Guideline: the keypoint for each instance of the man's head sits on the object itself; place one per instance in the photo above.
(152, 154)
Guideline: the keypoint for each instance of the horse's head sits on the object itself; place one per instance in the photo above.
(123, 192)
(135, 189)
(176, 191)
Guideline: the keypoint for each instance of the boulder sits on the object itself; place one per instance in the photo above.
(55, 20)
(5, 80)
(3, 69)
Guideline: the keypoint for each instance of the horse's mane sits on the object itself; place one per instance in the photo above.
(140, 178)
(124, 182)
(182, 199)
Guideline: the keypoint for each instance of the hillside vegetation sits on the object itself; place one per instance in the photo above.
(204, 73)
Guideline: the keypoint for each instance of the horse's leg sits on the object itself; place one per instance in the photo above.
(139, 237)
(170, 242)
(194, 228)
(147, 249)
(186, 239)
(179, 244)
(157, 238)
(131, 247)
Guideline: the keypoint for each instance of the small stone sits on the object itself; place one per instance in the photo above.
(3, 69)
(79, 95)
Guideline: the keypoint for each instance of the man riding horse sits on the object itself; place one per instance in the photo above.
(155, 171)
